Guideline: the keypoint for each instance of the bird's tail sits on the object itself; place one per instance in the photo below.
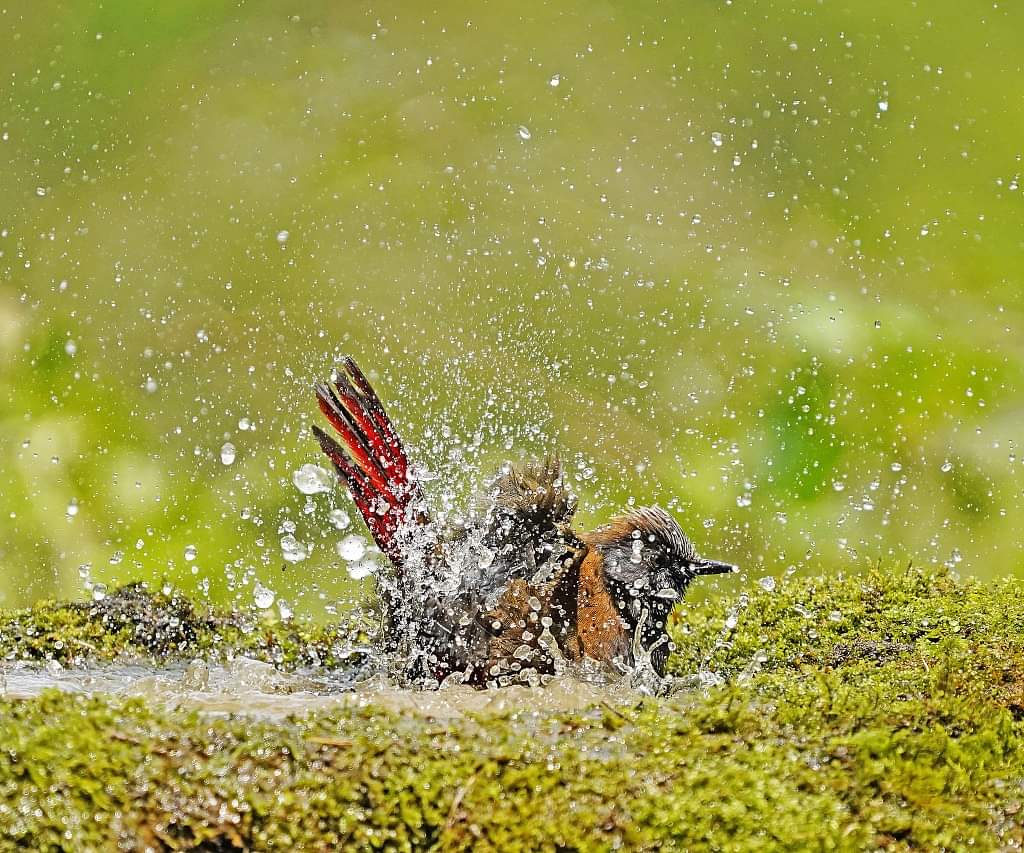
(369, 458)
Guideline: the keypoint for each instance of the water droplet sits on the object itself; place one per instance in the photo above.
(116, 558)
(312, 479)
(285, 609)
(838, 485)
(72, 508)
(421, 473)
(41, 191)
(716, 139)
(190, 553)
(883, 106)
(70, 347)
(554, 81)
(524, 132)
(196, 675)
(99, 592)
(896, 466)
(339, 518)
(361, 569)
(522, 652)
(767, 583)
(227, 453)
(947, 466)
(262, 596)
(282, 237)
(245, 424)
(352, 548)
(292, 549)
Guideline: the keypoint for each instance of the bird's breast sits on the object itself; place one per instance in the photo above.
(602, 633)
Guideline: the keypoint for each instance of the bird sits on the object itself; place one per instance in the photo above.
(514, 594)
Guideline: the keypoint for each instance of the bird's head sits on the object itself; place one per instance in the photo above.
(647, 555)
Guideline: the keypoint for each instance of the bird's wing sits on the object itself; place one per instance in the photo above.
(534, 624)
(525, 516)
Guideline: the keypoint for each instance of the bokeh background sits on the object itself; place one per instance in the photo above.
(757, 261)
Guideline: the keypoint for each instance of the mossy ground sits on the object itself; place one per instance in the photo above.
(875, 712)
(135, 622)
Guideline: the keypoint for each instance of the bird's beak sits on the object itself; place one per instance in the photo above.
(701, 566)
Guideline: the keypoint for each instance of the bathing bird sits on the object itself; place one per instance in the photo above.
(514, 593)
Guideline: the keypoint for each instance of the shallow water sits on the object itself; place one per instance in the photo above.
(246, 686)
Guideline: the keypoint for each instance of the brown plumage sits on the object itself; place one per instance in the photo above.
(515, 593)
(602, 633)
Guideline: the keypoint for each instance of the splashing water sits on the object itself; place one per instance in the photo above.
(227, 453)
(312, 479)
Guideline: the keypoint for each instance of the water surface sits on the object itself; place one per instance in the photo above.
(247, 686)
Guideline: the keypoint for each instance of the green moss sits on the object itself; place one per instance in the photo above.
(829, 621)
(132, 621)
(895, 726)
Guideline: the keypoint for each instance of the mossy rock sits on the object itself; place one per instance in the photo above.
(871, 712)
(133, 621)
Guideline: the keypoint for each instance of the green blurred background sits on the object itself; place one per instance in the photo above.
(757, 261)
